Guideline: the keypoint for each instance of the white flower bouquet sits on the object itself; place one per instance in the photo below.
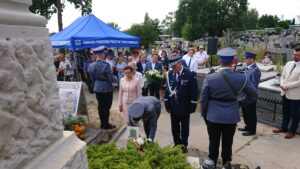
(154, 75)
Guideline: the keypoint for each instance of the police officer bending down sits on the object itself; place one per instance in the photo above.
(220, 107)
(146, 108)
(180, 100)
(102, 77)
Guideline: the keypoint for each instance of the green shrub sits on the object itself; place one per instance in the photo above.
(108, 156)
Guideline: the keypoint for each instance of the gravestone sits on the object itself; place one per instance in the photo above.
(31, 129)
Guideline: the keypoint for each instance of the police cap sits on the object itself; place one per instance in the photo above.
(136, 110)
(250, 55)
(100, 50)
(227, 54)
(174, 60)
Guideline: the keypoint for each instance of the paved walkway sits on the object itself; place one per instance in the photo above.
(267, 150)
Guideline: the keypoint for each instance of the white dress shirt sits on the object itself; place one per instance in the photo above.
(153, 66)
(192, 64)
(202, 57)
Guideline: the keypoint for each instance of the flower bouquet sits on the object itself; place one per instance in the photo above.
(153, 76)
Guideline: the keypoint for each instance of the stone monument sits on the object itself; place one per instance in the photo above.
(31, 129)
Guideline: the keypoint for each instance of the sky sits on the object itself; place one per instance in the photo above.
(127, 12)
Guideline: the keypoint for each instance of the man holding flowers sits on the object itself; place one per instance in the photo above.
(153, 79)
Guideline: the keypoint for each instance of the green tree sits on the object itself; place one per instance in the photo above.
(268, 21)
(48, 7)
(293, 21)
(146, 32)
(284, 24)
(251, 19)
(114, 25)
(155, 22)
(209, 17)
(187, 31)
(232, 14)
(167, 23)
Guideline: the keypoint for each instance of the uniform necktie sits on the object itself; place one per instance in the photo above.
(293, 68)
(190, 62)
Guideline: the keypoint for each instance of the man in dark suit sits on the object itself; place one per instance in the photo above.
(220, 106)
(141, 64)
(249, 110)
(141, 67)
(180, 100)
(154, 87)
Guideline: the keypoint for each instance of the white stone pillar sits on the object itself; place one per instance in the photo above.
(31, 127)
(15, 12)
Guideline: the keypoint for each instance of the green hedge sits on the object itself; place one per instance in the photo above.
(108, 156)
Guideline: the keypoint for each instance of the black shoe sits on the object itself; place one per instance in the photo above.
(113, 126)
(242, 129)
(185, 150)
(247, 133)
(107, 127)
(110, 126)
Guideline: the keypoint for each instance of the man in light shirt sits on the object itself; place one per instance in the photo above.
(65, 67)
(191, 60)
(202, 56)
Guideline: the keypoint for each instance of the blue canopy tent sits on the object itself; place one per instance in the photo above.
(90, 32)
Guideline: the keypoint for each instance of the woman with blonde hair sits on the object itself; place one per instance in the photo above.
(130, 89)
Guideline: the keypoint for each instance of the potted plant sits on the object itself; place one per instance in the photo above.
(75, 124)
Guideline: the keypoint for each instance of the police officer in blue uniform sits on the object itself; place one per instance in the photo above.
(147, 109)
(102, 77)
(220, 106)
(249, 110)
(180, 100)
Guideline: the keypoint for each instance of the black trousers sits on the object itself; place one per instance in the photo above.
(250, 117)
(180, 125)
(154, 89)
(104, 105)
(147, 127)
(216, 132)
(145, 91)
(290, 113)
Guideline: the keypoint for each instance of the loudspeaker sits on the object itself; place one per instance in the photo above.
(212, 46)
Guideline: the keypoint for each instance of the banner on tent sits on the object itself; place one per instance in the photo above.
(104, 42)
(61, 43)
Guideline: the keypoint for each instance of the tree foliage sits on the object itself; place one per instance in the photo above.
(145, 31)
(155, 22)
(148, 31)
(198, 18)
(284, 24)
(114, 25)
(268, 21)
(47, 8)
(167, 23)
(251, 19)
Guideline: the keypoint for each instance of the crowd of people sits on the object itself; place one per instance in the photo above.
(223, 93)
